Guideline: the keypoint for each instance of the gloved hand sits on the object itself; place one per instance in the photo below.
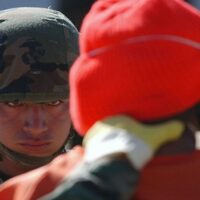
(138, 140)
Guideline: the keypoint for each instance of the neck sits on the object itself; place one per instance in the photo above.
(11, 168)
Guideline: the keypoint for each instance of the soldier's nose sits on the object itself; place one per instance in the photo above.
(36, 120)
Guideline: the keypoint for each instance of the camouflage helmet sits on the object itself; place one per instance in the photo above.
(37, 47)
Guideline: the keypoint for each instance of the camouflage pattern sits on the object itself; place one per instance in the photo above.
(37, 48)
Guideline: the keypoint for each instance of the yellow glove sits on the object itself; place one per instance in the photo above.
(154, 135)
(121, 134)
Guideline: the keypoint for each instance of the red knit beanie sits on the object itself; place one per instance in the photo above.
(138, 57)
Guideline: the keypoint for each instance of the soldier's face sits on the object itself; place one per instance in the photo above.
(34, 129)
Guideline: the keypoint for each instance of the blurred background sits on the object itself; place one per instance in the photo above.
(75, 10)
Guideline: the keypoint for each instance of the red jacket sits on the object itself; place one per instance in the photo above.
(164, 178)
(171, 178)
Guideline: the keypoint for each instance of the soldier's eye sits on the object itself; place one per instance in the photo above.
(54, 103)
(14, 103)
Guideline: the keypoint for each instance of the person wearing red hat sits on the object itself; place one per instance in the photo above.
(134, 96)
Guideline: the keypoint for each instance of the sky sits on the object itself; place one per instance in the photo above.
(5, 4)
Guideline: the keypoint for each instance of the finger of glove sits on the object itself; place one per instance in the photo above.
(153, 135)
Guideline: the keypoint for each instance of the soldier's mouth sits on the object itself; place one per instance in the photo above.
(35, 144)
(36, 148)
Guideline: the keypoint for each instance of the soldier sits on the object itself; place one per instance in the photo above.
(134, 94)
(37, 48)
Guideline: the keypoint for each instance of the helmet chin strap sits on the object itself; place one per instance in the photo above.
(26, 161)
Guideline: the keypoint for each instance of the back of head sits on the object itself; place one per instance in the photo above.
(138, 57)
(37, 47)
